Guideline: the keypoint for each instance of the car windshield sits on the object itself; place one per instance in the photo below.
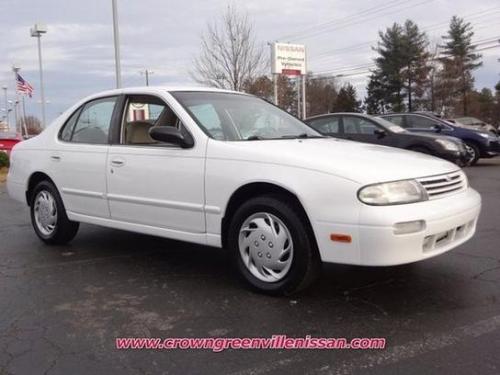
(236, 117)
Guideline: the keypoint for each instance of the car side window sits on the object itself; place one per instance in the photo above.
(67, 130)
(358, 125)
(326, 125)
(93, 122)
(398, 120)
(420, 122)
(142, 113)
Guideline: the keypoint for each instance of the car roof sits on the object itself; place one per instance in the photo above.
(338, 114)
(156, 89)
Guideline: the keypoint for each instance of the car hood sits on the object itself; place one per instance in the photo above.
(359, 162)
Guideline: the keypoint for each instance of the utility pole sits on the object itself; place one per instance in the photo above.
(304, 106)
(36, 31)
(116, 35)
(146, 74)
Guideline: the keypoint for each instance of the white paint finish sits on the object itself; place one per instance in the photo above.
(183, 193)
(80, 176)
(158, 186)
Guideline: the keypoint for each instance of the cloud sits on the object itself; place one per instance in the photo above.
(165, 36)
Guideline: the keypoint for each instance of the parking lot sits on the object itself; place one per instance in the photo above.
(62, 308)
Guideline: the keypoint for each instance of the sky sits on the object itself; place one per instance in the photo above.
(164, 37)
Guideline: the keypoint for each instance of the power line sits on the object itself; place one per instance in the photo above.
(489, 12)
(351, 20)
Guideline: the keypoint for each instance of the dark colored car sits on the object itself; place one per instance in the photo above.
(479, 144)
(369, 129)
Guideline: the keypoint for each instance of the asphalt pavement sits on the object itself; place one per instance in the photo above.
(61, 308)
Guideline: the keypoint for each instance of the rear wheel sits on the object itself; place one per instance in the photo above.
(271, 247)
(48, 216)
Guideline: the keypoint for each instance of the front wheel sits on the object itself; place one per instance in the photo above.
(472, 152)
(272, 247)
(48, 216)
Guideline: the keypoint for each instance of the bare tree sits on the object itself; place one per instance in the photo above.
(230, 56)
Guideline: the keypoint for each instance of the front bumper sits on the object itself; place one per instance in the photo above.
(493, 148)
(459, 158)
(449, 222)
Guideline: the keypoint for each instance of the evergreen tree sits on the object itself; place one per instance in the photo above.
(459, 58)
(402, 68)
(347, 100)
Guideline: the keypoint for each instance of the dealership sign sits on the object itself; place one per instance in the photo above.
(288, 59)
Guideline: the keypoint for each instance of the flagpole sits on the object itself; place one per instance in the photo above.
(24, 119)
(16, 69)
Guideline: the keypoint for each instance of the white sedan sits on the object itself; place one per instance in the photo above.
(227, 169)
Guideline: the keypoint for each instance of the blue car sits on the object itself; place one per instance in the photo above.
(479, 144)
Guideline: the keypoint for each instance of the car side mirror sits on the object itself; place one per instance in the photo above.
(379, 133)
(170, 134)
(438, 128)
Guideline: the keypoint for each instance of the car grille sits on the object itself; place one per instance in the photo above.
(441, 186)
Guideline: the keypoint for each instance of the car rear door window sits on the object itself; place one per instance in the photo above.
(420, 122)
(326, 125)
(94, 122)
(398, 120)
(358, 125)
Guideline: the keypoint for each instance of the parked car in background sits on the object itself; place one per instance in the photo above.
(474, 123)
(370, 129)
(227, 169)
(479, 144)
(8, 140)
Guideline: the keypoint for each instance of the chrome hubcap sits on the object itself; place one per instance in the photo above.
(45, 212)
(471, 152)
(266, 247)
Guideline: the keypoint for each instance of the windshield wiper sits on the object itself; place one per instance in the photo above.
(254, 138)
(302, 135)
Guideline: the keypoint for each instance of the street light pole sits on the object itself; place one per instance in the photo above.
(36, 31)
(6, 104)
(116, 35)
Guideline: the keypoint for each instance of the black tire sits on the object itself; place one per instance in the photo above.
(305, 264)
(476, 153)
(65, 230)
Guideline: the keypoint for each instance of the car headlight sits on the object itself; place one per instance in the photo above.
(448, 145)
(490, 137)
(389, 193)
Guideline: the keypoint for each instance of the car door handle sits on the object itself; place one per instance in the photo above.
(55, 157)
(117, 162)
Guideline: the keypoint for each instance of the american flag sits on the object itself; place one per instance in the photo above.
(23, 86)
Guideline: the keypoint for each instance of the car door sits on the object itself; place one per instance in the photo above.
(418, 123)
(364, 130)
(78, 162)
(150, 183)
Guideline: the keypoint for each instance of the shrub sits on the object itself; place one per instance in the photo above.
(4, 160)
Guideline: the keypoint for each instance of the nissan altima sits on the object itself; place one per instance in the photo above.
(229, 170)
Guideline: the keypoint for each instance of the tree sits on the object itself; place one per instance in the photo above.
(374, 101)
(415, 58)
(347, 100)
(230, 55)
(459, 59)
(32, 124)
(401, 68)
(263, 87)
(321, 94)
